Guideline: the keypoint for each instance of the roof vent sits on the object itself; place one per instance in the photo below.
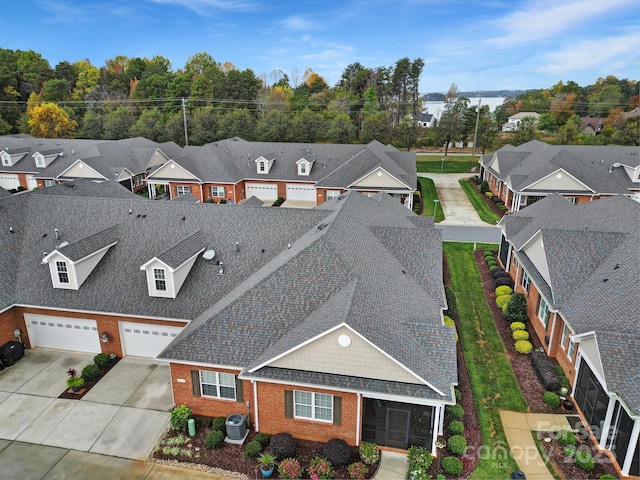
(11, 230)
(322, 226)
(237, 247)
(55, 230)
(209, 254)
(220, 269)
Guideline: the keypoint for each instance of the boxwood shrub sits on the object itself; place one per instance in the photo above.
(455, 412)
(544, 367)
(90, 372)
(253, 449)
(219, 424)
(502, 299)
(524, 346)
(452, 466)
(282, 445)
(492, 263)
(101, 360)
(456, 427)
(520, 335)
(337, 452)
(503, 281)
(457, 444)
(214, 439)
(566, 438)
(551, 399)
(584, 460)
(493, 268)
(263, 438)
(517, 326)
(503, 290)
(180, 418)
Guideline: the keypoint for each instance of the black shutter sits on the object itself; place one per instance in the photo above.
(288, 403)
(337, 410)
(239, 393)
(195, 382)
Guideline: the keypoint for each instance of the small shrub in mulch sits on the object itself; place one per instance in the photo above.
(457, 444)
(89, 384)
(214, 439)
(455, 412)
(552, 399)
(452, 466)
(253, 449)
(337, 452)
(546, 372)
(282, 445)
(523, 346)
(456, 427)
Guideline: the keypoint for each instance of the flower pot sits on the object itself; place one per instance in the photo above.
(567, 405)
(266, 473)
(76, 389)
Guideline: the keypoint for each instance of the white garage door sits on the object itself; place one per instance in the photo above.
(264, 191)
(31, 182)
(9, 181)
(301, 192)
(145, 339)
(63, 333)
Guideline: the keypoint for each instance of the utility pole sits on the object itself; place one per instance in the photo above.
(475, 134)
(184, 116)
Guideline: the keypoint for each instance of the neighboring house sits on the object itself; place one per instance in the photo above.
(324, 322)
(591, 126)
(426, 120)
(27, 162)
(635, 113)
(578, 266)
(301, 173)
(513, 122)
(523, 175)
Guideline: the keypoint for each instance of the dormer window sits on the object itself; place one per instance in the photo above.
(304, 167)
(6, 159)
(161, 282)
(264, 163)
(40, 161)
(63, 274)
(262, 166)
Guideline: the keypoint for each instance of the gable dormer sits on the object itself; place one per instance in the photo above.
(70, 264)
(8, 158)
(304, 166)
(80, 169)
(264, 163)
(43, 159)
(167, 272)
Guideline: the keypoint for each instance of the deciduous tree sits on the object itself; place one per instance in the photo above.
(48, 120)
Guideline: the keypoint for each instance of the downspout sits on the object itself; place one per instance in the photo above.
(358, 420)
(436, 429)
(553, 329)
(256, 422)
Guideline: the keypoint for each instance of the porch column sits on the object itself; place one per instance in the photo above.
(152, 191)
(635, 433)
(438, 423)
(358, 418)
(607, 423)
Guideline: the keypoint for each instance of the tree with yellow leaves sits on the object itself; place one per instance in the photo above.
(48, 120)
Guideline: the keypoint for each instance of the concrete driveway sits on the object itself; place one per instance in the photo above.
(123, 415)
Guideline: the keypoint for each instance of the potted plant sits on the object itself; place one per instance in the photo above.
(74, 382)
(267, 464)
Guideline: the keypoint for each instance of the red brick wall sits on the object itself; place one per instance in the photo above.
(196, 189)
(105, 323)
(560, 353)
(8, 323)
(228, 191)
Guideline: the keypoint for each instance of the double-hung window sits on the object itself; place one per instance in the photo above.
(543, 312)
(567, 343)
(315, 406)
(331, 194)
(160, 280)
(526, 281)
(182, 189)
(63, 274)
(217, 192)
(218, 384)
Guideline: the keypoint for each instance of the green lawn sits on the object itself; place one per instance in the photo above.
(485, 213)
(429, 194)
(493, 382)
(451, 165)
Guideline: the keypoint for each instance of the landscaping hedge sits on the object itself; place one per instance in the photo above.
(544, 367)
(552, 399)
(282, 445)
(457, 444)
(452, 466)
(456, 427)
(523, 346)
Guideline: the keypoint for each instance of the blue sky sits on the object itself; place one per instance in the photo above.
(476, 44)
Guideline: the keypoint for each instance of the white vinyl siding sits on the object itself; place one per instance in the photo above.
(217, 384)
(315, 406)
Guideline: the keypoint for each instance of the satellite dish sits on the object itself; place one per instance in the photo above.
(209, 254)
(63, 244)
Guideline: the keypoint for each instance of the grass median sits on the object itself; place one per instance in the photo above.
(429, 194)
(484, 212)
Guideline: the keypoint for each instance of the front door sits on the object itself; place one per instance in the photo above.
(396, 424)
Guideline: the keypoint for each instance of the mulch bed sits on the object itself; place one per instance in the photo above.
(70, 395)
(231, 458)
(488, 201)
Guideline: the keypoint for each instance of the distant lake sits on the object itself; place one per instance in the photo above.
(435, 108)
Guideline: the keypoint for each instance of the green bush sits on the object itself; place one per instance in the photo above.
(488, 194)
(180, 418)
(253, 449)
(456, 412)
(503, 290)
(517, 326)
(420, 460)
(566, 438)
(564, 381)
(492, 263)
(90, 372)
(369, 453)
(452, 304)
(524, 346)
(607, 476)
(504, 308)
(584, 460)
(551, 399)
(502, 299)
(450, 323)
(101, 360)
(520, 335)
(484, 187)
(517, 308)
(214, 439)
(452, 466)
(457, 444)
(263, 438)
(440, 477)
(456, 427)
(219, 424)
(458, 394)
(493, 268)
(320, 468)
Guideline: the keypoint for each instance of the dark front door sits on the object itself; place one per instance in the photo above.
(396, 424)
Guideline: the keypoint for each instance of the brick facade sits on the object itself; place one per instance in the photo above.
(8, 324)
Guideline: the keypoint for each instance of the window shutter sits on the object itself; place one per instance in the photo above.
(195, 382)
(288, 403)
(239, 393)
(337, 410)
(538, 304)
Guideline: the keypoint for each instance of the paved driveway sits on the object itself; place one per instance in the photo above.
(123, 415)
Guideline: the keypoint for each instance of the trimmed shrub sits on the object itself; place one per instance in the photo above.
(455, 412)
(495, 199)
(320, 468)
(503, 281)
(504, 308)
(503, 290)
(452, 303)
(517, 326)
(584, 460)
(517, 308)
(544, 367)
(492, 263)
(458, 394)
(90, 372)
(282, 445)
(369, 452)
(289, 469)
(493, 268)
(484, 186)
(502, 299)
(452, 466)
(499, 272)
(214, 439)
(520, 335)
(457, 444)
(564, 381)
(180, 418)
(566, 438)
(524, 346)
(358, 471)
(337, 452)
(456, 427)
(219, 424)
(488, 251)
(440, 477)
(551, 399)
(263, 438)
(607, 476)
(488, 194)
(253, 449)
(420, 460)
(101, 360)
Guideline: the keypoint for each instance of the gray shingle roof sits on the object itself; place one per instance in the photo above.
(183, 250)
(86, 246)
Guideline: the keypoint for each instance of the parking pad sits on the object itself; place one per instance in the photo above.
(42, 426)
(18, 412)
(25, 461)
(97, 467)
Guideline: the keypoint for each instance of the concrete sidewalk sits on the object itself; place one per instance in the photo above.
(518, 427)
(393, 466)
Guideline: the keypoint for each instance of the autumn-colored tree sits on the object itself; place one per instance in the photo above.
(88, 79)
(562, 107)
(48, 120)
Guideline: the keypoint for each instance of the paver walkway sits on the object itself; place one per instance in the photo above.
(518, 427)
(455, 203)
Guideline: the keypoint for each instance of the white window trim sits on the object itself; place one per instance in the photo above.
(62, 270)
(331, 194)
(262, 166)
(49, 183)
(544, 307)
(182, 189)
(217, 192)
(313, 406)
(526, 281)
(159, 275)
(217, 385)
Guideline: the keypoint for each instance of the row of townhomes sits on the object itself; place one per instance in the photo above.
(523, 175)
(323, 322)
(228, 171)
(579, 266)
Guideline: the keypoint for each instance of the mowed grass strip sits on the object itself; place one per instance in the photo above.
(457, 164)
(484, 212)
(429, 194)
(494, 385)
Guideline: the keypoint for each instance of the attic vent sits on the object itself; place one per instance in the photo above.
(322, 226)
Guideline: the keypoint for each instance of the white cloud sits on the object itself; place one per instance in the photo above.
(205, 7)
(298, 22)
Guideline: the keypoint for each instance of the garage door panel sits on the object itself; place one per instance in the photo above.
(63, 333)
(263, 191)
(9, 182)
(146, 339)
(296, 191)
